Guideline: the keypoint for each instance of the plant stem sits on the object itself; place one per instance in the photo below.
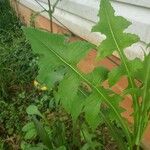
(53, 9)
(144, 107)
(49, 11)
(50, 16)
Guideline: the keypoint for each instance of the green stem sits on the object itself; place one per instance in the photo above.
(49, 11)
(144, 107)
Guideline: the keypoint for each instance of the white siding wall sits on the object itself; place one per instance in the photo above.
(144, 3)
(80, 15)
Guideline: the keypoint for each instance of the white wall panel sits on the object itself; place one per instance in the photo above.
(88, 9)
(143, 3)
(80, 15)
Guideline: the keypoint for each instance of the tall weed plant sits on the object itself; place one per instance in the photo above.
(99, 104)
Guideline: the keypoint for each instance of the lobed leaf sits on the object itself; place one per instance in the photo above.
(113, 27)
(69, 87)
(33, 110)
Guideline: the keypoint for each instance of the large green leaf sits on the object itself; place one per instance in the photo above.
(116, 39)
(54, 52)
(113, 27)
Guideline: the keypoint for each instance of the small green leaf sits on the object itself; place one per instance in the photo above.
(24, 145)
(28, 127)
(89, 137)
(77, 106)
(134, 67)
(30, 134)
(44, 136)
(33, 110)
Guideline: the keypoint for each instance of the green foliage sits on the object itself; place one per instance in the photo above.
(18, 69)
(30, 131)
(73, 114)
(26, 146)
(116, 40)
(58, 131)
(44, 136)
(17, 62)
(9, 25)
(113, 26)
(55, 51)
(33, 110)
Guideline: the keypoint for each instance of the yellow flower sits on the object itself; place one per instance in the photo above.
(39, 86)
(36, 83)
(44, 88)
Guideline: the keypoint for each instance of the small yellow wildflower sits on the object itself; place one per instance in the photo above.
(39, 86)
(44, 88)
(36, 83)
